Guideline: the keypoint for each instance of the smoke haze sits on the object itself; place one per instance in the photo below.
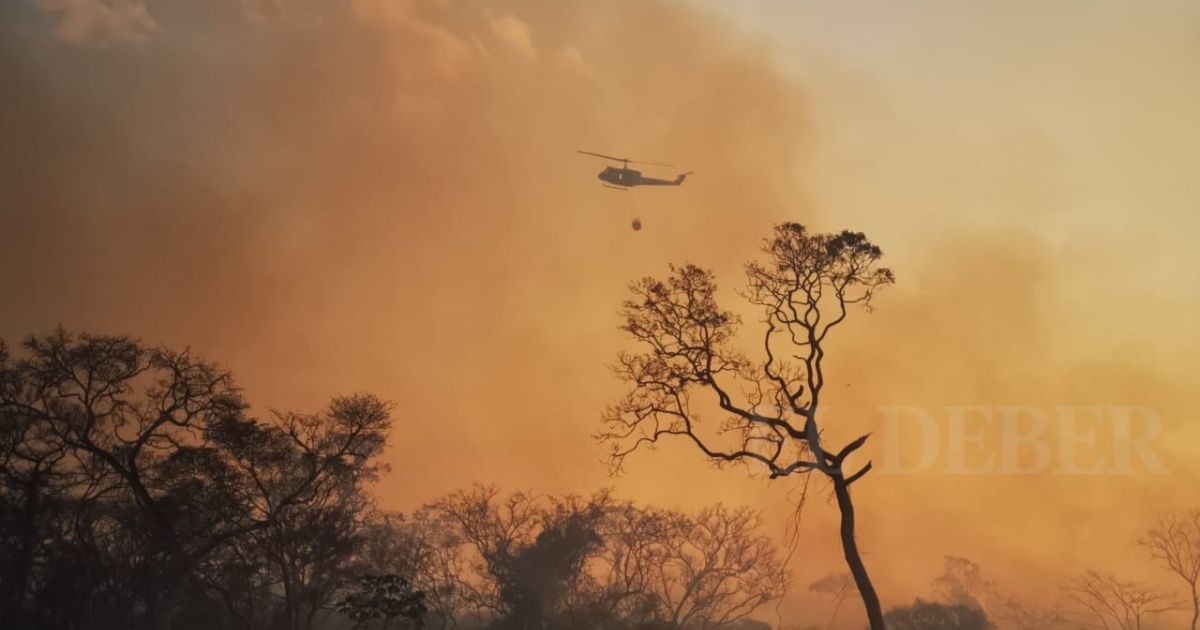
(385, 196)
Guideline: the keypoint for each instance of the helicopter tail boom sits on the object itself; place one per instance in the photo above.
(653, 181)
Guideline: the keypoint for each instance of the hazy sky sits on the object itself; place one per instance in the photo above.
(384, 195)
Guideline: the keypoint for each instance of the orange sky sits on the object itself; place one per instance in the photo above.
(384, 196)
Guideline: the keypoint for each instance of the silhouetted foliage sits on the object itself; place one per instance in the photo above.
(134, 479)
(426, 548)
(923, 615)
(570, 562)
(528, 553)
(534, 579)
(382, 600)
(139, 493)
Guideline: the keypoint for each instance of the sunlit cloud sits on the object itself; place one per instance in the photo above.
(101, 22)
(514, 33)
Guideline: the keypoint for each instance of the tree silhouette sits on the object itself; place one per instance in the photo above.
(1117, 604)
(805, 289)
(138, 493)
(569, 562)
(923, 615)
(705, 570)
(962, 582)
(492, 526)
(534, 580)
(530, 552)
(1174, 542)
(139, 468)
(425, 547)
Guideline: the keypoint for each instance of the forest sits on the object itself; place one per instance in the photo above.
(139, 490)
(315, 318)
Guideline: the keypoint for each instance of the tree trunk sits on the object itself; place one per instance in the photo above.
(290, 596)
(1195, 607)
(853, 558)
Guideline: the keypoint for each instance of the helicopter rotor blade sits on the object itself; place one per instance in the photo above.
(608, 157)
(628, 160)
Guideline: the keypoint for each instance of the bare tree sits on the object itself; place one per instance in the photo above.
(769, 408)
(492, 525)
(705, 570)
(584, 561)
(1174, 542)
(1021, 615)
(715, 568)
(529, 553)
(626, 566)
(1117, 604)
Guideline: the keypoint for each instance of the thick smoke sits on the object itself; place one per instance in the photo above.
(385, 195)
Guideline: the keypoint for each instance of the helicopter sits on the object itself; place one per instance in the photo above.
(625, 177)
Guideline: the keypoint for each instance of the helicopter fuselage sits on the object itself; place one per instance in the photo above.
(620, 176)
(629, 177)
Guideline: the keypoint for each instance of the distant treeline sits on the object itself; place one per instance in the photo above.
(137, 492)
